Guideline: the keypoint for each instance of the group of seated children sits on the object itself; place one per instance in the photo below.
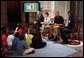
(21, 40)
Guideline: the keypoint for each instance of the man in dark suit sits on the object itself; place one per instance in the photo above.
(66, 30)
(40, 18)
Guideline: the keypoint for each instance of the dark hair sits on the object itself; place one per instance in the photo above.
(17, 34)
(70, 12)
(10, 32)
(19, 26)
(47, 13)
(4, 30)
(22, 36)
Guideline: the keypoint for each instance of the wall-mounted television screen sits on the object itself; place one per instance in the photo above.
(31, 7)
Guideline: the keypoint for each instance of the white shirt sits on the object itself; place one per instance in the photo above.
(26, 35)
(10, 39)
(48, 20)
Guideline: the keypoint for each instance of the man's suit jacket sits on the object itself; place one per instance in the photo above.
(40, 19)
(71, 24)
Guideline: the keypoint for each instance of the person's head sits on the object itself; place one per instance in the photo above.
(28, 31)
(10, 32)
(19, 27)
(17, 34)
(57, 13)
(46, 14)
(38, 13)
(4, 30)
(69, 13)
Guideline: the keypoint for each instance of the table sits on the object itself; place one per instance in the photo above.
(53, 29)
(45, 28)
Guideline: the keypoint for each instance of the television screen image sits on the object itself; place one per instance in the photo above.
(31, 7)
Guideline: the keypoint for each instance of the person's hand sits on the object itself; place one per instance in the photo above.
(59, 24)
(42, 23)
(35, 22)
(56, 26)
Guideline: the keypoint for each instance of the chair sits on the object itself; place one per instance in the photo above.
(76, 38)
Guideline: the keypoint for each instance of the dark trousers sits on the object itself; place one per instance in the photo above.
(65, 34)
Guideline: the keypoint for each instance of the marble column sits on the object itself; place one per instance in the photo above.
(52, 9)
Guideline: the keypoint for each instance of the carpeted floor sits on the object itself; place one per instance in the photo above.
(52, 50)
(79, 52)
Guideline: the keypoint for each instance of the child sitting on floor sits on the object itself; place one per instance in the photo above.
(28, 37)
(20, 46)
